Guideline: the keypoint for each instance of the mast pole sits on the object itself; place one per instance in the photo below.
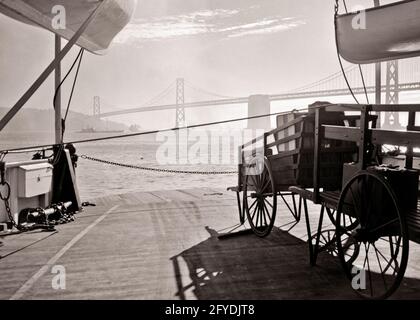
(58, 124)
(378, 80)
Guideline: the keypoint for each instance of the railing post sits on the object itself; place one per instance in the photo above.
(364, 136)
(410, 127)
(317, 153)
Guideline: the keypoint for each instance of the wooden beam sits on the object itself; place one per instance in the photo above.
(397, 138)
(397, 107)
(342, 133)
(375, 107)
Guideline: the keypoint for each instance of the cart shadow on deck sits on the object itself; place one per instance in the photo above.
(275, 267)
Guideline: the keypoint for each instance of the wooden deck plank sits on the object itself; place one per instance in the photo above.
(168, 248)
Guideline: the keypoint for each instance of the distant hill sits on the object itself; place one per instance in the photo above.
(43, 120)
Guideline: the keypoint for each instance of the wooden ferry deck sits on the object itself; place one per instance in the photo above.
(164, 245)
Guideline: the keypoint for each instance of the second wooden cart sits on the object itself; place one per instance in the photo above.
(333, 156)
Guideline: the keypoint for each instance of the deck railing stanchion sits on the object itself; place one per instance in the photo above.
(364, 136)
(317, 153)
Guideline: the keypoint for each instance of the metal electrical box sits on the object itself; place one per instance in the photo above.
(34, 180)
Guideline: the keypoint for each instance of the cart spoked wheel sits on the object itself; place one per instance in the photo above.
(327, 242)
(260, 199)
(347, 222)
(380, 235)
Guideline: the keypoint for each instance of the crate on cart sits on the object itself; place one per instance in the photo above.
(293, 142)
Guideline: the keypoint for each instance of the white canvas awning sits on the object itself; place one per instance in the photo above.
(392, 32)
(113, 16)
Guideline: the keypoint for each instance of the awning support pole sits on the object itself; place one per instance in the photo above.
(44, 75)
(57, 106)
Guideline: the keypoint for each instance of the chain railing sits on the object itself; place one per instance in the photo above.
(113, 163)
(5, 197)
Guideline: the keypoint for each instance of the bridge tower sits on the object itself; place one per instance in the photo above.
(180, 101)
(259, 105)
(392, 120)
(96, 106)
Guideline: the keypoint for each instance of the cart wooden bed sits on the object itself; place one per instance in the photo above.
(303, 159)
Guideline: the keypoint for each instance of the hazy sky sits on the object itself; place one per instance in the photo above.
(231, 47)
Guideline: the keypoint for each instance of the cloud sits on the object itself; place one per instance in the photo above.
(250, 25)
(272, 27)
(222, 22)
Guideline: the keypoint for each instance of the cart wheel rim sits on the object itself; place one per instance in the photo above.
(260, 201)
(380, 237)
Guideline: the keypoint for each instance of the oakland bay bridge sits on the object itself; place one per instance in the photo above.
(398, 77)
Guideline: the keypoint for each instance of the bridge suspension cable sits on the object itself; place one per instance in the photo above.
(161, 95)
(153, 100)
(332, 85)
(207, 92)
(331, 77)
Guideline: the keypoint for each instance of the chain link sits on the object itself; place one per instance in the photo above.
(5, 199)
(158, 169)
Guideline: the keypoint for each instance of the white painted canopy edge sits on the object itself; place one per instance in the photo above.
(113, 16)
(392, 32)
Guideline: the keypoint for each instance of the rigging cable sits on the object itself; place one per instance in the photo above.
(74, 85)
(364, 85)
(64, 79)
(129, 135)
(338, 54)
(360, 68)
(61, 146)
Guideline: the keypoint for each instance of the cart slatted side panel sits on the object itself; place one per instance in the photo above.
(413, 223)
(293, 163)
(284, 163)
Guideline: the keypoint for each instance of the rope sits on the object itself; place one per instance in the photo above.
(157, 131)
(113, 163)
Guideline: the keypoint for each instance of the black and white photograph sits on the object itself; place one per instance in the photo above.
(223, 151)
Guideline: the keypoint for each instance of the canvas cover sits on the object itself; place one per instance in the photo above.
(113, 16)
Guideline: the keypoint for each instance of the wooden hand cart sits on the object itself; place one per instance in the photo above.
(334, 159)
